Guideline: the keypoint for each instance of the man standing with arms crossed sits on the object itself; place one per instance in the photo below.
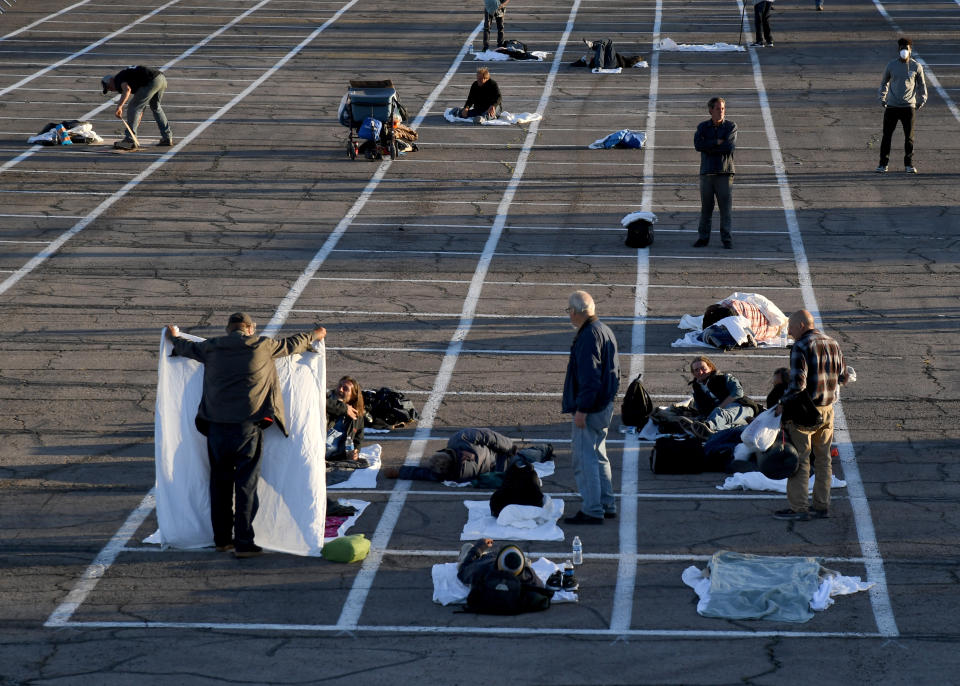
(591, 384)
(817, 369)
(241, 397)
(716, 139)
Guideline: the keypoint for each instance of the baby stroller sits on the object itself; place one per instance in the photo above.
(371, 110)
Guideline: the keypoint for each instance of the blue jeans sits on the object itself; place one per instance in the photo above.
(728, 417)
(591, 467)
(151, 94)
(719, 186)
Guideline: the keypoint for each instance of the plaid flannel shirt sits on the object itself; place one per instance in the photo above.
(817, 366)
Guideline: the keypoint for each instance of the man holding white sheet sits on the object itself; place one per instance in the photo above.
(241, 397)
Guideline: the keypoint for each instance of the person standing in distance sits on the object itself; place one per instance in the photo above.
(493, 10)
(589, 389)
(816, 368)
(716, 139)
(241, 397)
(761, 22)
(903, 91)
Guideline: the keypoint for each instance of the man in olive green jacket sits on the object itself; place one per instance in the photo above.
(241, 397)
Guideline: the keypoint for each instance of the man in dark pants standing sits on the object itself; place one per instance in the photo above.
(903, 91)
(493, 10)
(241, 397)
(761, 22)
(716, 139)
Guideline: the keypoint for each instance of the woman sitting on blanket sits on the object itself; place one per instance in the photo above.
(483, 100)
(345, 414)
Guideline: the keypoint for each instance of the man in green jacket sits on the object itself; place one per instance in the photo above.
(241, 397)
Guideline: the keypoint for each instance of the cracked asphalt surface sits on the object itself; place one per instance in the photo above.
(231, 219)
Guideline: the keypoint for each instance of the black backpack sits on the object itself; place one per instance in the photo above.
(502, 593)
(639, 234)
(637, 405)
(388, 409)
(521, 486)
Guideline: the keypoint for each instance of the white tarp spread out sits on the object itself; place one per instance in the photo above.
(292, 490)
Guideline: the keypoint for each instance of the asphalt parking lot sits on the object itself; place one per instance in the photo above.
(445, 274)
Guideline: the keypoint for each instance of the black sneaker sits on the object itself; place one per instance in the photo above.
(570, 582)
(555, 581)
(581, 518)
(165, 143)
(702, 243)
(791, 515)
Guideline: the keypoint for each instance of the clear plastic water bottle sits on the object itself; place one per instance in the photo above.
(577, 552)
(348, 446)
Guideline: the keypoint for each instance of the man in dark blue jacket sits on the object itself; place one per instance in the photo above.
(716, 139)
(591, 384)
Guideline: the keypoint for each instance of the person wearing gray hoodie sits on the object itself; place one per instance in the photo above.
(903, 91)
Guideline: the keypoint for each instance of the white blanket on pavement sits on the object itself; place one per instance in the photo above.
(755, 481)
(670, 44)
(292, 489)
(505, 118)
(367, 477)
(515, 523)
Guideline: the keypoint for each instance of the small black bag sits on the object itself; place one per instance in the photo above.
(521, 486)
(639, 234)
(781, 460)
(637, 405)
(677, 455)
(800, 410)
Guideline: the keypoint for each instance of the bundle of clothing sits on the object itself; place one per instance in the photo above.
(510, 50)
(741, 320)
(67, 132)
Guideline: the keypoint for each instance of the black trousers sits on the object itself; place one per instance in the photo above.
(486, 29)
(234, 451)
(761, 21)
(907, 116)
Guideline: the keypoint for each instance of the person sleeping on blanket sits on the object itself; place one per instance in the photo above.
(604, 56)
(469, 453)
(483, 100)
(761, 327)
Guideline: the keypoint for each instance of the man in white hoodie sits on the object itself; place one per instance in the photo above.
(903, 91)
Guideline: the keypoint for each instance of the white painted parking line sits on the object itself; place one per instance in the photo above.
(49, 17)
(927, 69)
(62, 614)
(879, 595)
(56, 244)
(88, 48)
(511, 630)
(353, 606)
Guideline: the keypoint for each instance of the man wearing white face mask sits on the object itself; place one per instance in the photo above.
(903, 91)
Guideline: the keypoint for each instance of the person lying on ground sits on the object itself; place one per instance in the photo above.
(761, 327)
(469, 453)
(603, 55)
(483, 100)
